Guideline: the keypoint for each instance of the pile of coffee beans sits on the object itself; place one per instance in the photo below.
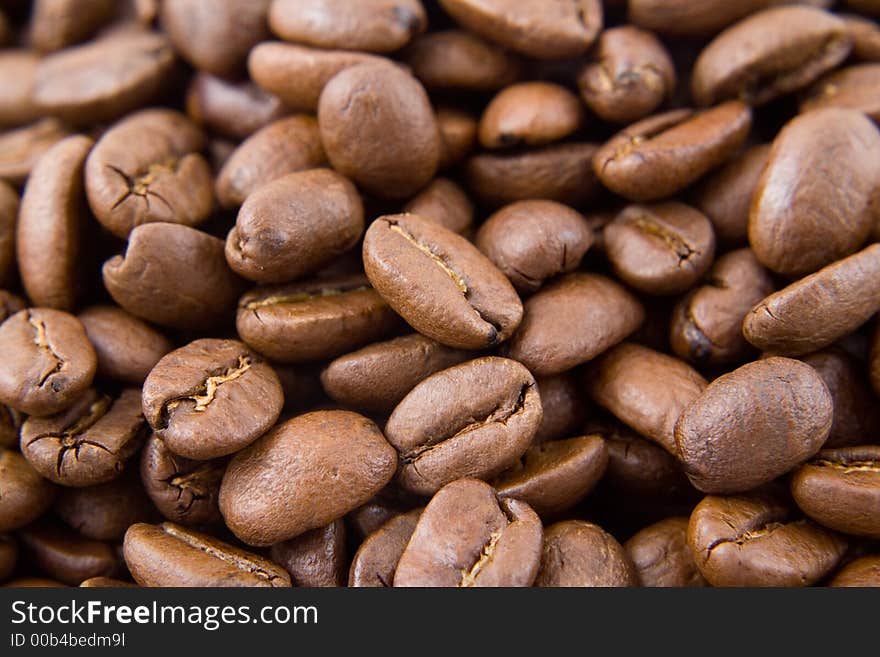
(439, 293)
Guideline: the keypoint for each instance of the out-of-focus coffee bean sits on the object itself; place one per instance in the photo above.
(25, 494)
(461, 61)
(661, 555)
(316, 558)
(444, 202)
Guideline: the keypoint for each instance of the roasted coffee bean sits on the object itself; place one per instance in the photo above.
(10, 424)
(865, 35)
(285, 146)
(126, 347)
(183, 490)
(372, 25)
(8, 219)
(316, 558)
(661, 555)
(661, 155)
(104, 79)
(467, 536)
(20, 149)
(660, 249)
(160, 259)
(706, 326)
(726, 195)
(232, 109)
(294, 225)
(861, 572)
(532, 241)
(753, 425)
(545, 30)
(215, 37)
(170, 555)
(554, 476)
(8, 556)
(688, 18)
(529, 114)
(87, 443)
(105, 583)
(445, 203)
(458, 136)
(377, 557)
(56, 24)
(815, 311)
(560, 173)
(378, 376)
(578, 553)
(49, 237)
(630, 74)
(573, 320)
(756, 540)
(769, 54)
(378, 128)
(440, 283)
(827, 213)
(645, 389)
(849, 88)
(10, 304)
(461, 61)
(24, 495)
(840, 489)
(313, 469)
(148, 168)
(17, 71)
(313, 320)
(369, 517)
(64, 555)
(471, 420)
(46, 361)
(564, 410)
(211, 398)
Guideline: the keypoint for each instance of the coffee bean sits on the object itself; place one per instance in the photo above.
(854, 88)
(753, 425)
(445, 203)
(469, 537)
(294, 225)
(376, 560)
(573, 320)
(313, 469)
(105, 583)
(87, 443)
(232, 109)
(313, 320)
(809, 314)
(64, 555)
(865, 35)
(827, 214)
(630, 74)
(24, 495)
(20, 149)
(564, 410)
(17, 72)
(661, 155)
(458, 136)
(56, 24)
(369, 517)
(840, 489)
(756, 540)
(170, 555)
(10, 304)
(8, 556)
(316, 558)
(687, 18)
(661, 555)
(861, 572)
(8, 219)
(46, 361)
(769, 54)
(529, 114)
(379, 129)
(10, 424)
(578, 553)
(532, 241)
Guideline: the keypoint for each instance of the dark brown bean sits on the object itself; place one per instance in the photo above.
(377, 557)
(64, 555)
(564, 410)
(661, 555)
(20, 149)
(861, 572)
(865, 34)
(446, 203)
(10, 424)
(578, 553)
(689, 18)
(232, 109)
(316, 558)
(56, 24)
(24, 495)
(854, 87)
(458, 136)
(8, 556)
(459, 60)
(8, 219)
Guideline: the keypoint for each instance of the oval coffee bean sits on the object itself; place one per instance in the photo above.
(183, 490)
(46, 361)
(458, 136)
(65, 555)
(467, 536)
(51, 227)
(755, 540)
(578, 553)
(378, 376)
(294, 225)
(148, 168)
(661, 555)
(231, 109)
(56, 24)
(531, 241)
(564, 410)
(706, 326)
(840, 489)
(211, 398)
(377, 557)
(17, 71)
(663, 154)
(555, 475)
(814, 312)
(573, 320)
(20, 149)
(689, 18)
(8, 219)
(313, 320)
(529, 114)
(861, 572)
(769, 54)
(645, 389)
(160, 257)
(445, 203)
(865, 34)
(440, 283)
(316, 558)
(471, 420)
(379, 129)
(753, 425)
(312, 470)
(24, 495)
(854, 87)
(554, 29)
(169, 555)
(87, 443)
(459, 60)
(804, 215)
